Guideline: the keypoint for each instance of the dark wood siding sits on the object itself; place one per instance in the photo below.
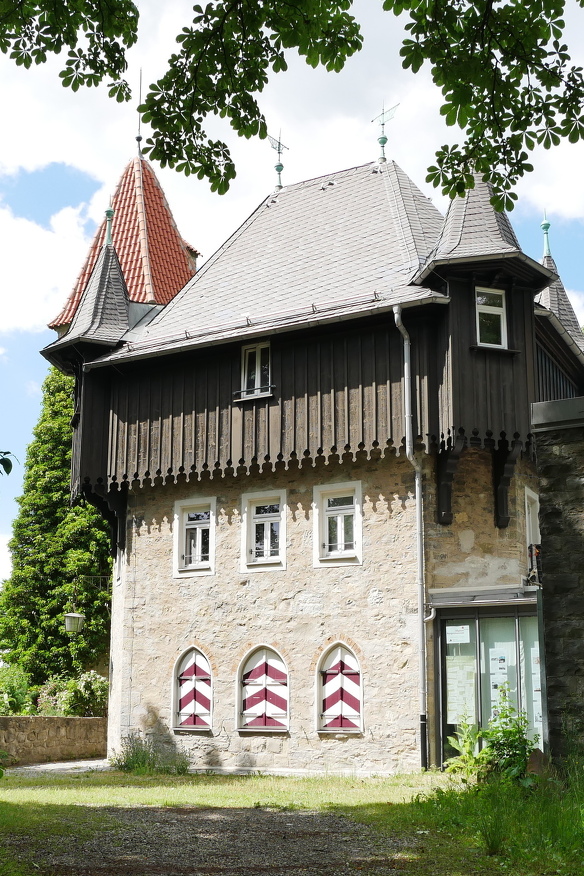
(552, 381)
(490, 389)
(338, 389)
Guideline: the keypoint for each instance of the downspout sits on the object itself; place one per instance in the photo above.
(408, 415)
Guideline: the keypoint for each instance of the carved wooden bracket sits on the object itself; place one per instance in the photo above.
(112, 507)
(504, 459)
(446, 465)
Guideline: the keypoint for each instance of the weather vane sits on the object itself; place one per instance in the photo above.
(279, 167)
(382, 118)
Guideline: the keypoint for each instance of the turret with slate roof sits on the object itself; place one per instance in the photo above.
(474, 231)
(554, 297)
(102, 316)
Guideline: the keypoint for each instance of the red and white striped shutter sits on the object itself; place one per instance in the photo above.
(341, 691)
(194, 691)
(264, 684)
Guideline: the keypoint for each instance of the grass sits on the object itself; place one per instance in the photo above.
(452, 830)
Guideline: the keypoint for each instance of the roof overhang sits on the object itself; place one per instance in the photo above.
(260, 328)
(526, 267)
(543, 313)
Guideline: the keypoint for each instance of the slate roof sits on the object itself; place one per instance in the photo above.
(155, 259)
(345, 243)
(102, 314)
(555, 298)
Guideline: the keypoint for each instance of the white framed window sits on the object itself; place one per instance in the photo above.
(491, 317)
(532, 535)
(263, 530)
(263, 694)
(337, 515)
(193, 692)
(340, 692)
(255, 371)
(194, 537)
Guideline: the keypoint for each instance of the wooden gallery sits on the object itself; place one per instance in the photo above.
(315, 454)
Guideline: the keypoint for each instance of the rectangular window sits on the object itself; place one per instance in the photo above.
(263, 531)
(337, 524)
(255, 371)
(491, 317)
(194, 537)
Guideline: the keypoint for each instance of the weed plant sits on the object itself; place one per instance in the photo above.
(148, 757)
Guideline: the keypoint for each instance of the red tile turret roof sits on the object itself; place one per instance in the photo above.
(155, 260)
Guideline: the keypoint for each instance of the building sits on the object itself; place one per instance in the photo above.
(318, 466)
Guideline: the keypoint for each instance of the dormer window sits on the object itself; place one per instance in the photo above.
(491, 318)
(255, 370)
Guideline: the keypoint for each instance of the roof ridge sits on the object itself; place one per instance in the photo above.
(143, 231)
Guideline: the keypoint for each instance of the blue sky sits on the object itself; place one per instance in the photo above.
(62, 154)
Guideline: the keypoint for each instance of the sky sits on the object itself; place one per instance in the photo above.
(61, 155)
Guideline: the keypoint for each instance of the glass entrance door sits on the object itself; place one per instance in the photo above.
(480, 654)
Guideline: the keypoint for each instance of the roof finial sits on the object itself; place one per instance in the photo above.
(279, 167)
(383, 117)
(139, 137)
(109, 215)
(546, 241)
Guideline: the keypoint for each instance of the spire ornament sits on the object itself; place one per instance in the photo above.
(382, 118)
(109, 215)
(279, 167)
(545, 225)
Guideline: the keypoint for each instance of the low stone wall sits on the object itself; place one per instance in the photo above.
(43, 740)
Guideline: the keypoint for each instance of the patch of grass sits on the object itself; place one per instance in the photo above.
(444, 829)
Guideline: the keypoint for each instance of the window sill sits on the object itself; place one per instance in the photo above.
(265, 566)
(341, 560)
(252, 396)
(256, 731)
(195, 572)
(189, 731)
(341, 733)
(474, 348)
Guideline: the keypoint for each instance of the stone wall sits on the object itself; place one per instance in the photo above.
(47, 740)
(301, 610)
(560, 458)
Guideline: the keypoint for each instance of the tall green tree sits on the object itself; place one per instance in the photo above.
(503, 68)
(60, 555)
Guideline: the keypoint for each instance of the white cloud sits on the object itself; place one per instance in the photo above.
(39, 267)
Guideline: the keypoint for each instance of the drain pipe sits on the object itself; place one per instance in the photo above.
(419, 536)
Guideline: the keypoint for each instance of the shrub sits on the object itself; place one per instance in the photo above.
(50, 696)
(507, 748)
(148, 756)
(470, 762)
(14, 697)
(508, 745)
(86, 695)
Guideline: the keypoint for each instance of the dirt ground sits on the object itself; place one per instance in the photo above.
(153, 841)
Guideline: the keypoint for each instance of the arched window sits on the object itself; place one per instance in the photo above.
(264, 691)
(194, 691)
(341, 694)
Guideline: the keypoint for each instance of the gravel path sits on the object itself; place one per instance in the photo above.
(153, 841)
